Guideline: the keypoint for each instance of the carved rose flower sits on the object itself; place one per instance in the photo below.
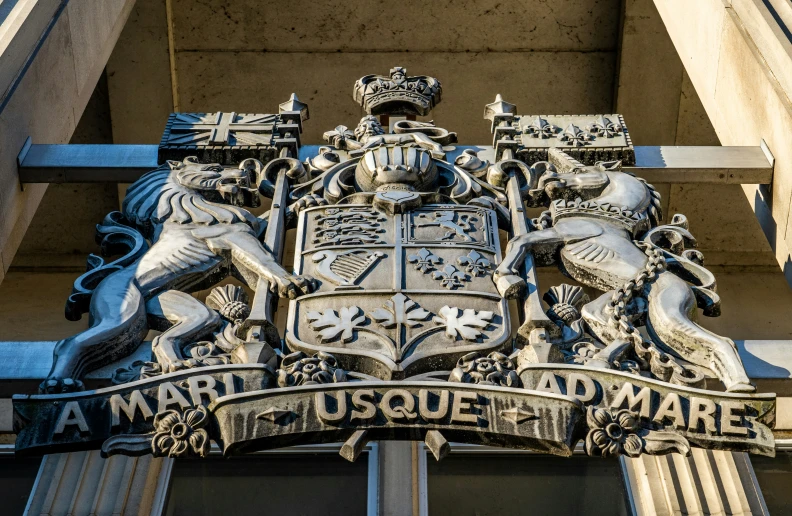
(612, 434)
(300, 369)
(180, 435)
(494, 369)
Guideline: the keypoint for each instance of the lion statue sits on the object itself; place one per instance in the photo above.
(199, 232)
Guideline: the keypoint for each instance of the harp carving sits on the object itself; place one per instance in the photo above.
(345, 268)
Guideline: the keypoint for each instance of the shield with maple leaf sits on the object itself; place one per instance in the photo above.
(422, 294)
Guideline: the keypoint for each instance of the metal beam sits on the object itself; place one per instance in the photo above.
(72, 163)
(41, 163)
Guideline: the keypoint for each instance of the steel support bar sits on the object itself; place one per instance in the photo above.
(40, 163)
(74, 163)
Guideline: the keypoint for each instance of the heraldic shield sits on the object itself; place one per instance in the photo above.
(402, 294)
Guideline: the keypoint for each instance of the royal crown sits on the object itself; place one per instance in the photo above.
(397, 94)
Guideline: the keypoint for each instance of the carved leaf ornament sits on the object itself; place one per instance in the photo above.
(466, 325)
(330, 324)
(400, 310)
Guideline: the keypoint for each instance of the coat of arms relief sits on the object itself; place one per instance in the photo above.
(406, 319)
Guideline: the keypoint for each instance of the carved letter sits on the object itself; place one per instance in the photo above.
(168, 395)
(548, 383)
(71, 415)
(228, 380)
(589, 388)
(398, 412)
(642, 400)
(196, 390)
(671, 408)
(367, 403)
(321, 408)
(464, 401)
(136, 401)
(423, 406)
(702, 409)
(731, 423)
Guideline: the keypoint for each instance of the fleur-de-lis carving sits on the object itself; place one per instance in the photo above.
(424, 260)
(540, 128)
(603, 126)
(400, 310)
(575, 137)
(474, 263)
(450, 277)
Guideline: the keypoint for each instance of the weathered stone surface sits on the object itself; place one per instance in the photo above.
(361, 26)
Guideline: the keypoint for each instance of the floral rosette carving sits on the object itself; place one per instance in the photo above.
(300, 369)
(612, 435)
(621, 433)
(180, 435)
(494, 369)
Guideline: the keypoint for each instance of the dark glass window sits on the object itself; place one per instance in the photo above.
(484, 485)
(300, 484)
(17, 477)
(775, 479)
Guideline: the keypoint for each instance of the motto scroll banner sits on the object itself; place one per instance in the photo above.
(86, 420)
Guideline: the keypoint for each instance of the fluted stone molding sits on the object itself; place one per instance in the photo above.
(706, 483)
(83, 483)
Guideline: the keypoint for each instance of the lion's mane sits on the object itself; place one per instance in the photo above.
(158, 197)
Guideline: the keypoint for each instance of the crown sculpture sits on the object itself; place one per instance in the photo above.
(397, 94)
(398, 323)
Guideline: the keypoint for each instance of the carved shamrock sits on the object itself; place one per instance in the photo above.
(204, 353)
(424, 260)
(494, 369)
(464, 326)
(330, 324)
(400, 310)
(180, 435)
(450, 277)
(299, 369)
(474, 263)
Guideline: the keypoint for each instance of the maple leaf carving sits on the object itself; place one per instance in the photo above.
(400, 310)
(466, 325)
(330, 324)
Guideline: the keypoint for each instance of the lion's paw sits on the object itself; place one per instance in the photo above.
(292, 287)
(60, 386)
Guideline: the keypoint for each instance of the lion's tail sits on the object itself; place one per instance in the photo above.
(115, 236)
